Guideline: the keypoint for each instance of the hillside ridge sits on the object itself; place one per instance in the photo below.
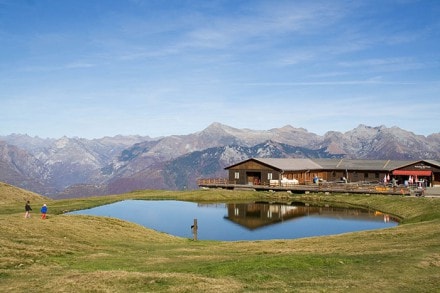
(10, 194)
(67, 167)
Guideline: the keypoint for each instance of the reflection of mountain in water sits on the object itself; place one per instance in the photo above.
(256, 215)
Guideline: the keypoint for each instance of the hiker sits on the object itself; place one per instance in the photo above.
(43, 211)
(28, 210)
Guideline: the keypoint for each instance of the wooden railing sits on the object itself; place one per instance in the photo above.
(326, 186)
(206, 181)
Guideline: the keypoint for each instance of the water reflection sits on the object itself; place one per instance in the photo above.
(257, 215)
(252, 221)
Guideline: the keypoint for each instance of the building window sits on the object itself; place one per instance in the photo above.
(269, 176)
(376, 175)
(237, 175)
(365, 175)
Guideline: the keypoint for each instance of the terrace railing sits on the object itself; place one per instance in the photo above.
(215, 181)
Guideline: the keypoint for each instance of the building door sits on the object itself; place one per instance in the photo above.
(253, 178)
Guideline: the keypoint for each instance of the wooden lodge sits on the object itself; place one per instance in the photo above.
(291, 173)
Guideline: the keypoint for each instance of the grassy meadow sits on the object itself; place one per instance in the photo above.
(72, 253)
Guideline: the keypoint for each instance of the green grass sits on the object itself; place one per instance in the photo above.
(68, 253)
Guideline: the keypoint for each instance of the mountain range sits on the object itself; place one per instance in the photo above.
(74, 167)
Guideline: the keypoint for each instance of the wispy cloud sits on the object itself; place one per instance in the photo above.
(52, 67)
(250, 28)
(265, 23)
(333, 63)
(385, 64)
(373, 81)
(77, 65)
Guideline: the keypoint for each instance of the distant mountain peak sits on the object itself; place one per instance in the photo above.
(290, 128)
(79, 166)
(217, 127)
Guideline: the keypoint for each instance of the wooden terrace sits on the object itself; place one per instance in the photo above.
(326, 187)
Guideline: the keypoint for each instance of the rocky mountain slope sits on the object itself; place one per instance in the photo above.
(80, 167)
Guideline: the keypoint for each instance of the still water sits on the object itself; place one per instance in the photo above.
(233, 222)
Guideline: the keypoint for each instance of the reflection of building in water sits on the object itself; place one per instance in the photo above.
(386, 217)
(212, 205)
(257, 215)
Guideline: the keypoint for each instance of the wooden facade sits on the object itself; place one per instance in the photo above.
(426, 172)
(261, 171)
(253, 172)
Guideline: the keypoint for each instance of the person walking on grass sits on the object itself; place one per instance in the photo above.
(43, 211)
(28, 210)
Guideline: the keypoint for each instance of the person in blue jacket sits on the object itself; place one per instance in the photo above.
(43, 211)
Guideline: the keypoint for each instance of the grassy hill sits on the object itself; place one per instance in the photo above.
(13, 199)
(68, 253)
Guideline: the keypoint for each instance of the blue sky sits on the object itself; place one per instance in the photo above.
(92, 68)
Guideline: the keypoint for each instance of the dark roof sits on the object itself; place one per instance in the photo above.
(292, 164)
(432, 162)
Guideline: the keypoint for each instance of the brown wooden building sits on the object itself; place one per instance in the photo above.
(264, 171)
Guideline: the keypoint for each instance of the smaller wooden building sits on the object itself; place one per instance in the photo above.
(263, 171)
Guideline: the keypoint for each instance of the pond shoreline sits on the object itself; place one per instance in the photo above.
(239, 221)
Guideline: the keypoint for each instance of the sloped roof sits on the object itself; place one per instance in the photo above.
(293, 164)
(348, 164)
(290, 164)
(433, 162)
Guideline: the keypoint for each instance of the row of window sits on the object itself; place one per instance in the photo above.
(355, 175)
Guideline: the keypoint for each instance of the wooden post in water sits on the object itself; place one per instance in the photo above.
(194, 230)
